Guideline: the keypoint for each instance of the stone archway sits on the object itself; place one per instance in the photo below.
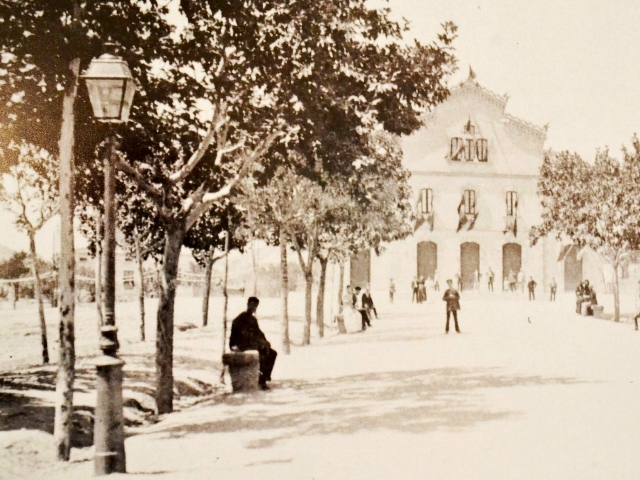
(469, 263)
(427, 259)
(511, 260)
(572, 269)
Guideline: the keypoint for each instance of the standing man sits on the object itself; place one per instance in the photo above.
(367, 301)
(490, 278)
(392, 290)
(579, 292)
(246, 335)
(414, 289)
(458, 281)
(512, 281)
(554, 289)
(532, 288)
(452, 297)
(360, 306)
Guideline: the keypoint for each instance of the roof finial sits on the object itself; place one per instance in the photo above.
(472, 74)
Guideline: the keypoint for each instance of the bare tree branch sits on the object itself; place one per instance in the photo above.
(155, 194)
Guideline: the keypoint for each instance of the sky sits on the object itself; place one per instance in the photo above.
(572, 64)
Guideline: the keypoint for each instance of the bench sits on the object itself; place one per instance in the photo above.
(244, 370)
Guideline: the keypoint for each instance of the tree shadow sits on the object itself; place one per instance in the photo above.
(18, 412)
(407, 401)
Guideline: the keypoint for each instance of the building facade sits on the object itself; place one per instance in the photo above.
(474, 172)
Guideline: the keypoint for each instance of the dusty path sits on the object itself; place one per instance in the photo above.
(554, 397)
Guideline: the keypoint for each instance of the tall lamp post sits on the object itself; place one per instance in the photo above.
(111, 88)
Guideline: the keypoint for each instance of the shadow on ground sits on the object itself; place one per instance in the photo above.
(406, 401)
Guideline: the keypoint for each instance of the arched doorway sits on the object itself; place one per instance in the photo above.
(511, 260)
(572, 269)
(469, 263)
(360, 269)
(427, 259)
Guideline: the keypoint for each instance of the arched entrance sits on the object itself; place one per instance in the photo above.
(572, 269)
(511, 260)
(360, 269)
(469, 263)
(427, 259)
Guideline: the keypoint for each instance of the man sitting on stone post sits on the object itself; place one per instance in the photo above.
(246, 335)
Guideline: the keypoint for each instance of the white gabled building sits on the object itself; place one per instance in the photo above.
(474, 171)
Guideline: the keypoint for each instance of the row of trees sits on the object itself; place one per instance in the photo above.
(593, 205)
(272, 115)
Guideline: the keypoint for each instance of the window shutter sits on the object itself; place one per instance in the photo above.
(482, 149)
(457, 145)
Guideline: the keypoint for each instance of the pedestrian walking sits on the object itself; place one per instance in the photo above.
(362, 309)
(554, 289)
(367, 301)
(414, 290)
(392, 290)
(436, 281)
(490, 278)
(532, 288)
(452, 297)
(477, 279)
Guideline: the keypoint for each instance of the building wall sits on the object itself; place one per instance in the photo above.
(515, 153)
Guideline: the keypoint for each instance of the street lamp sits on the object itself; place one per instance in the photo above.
(111, 88)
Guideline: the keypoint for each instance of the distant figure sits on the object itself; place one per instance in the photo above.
(532, 288)
(459, 281)
(476, 280)
(579, 296)
(511, 280)
(490, 278)
(414, 290)
(452, 297)
(554, 289)
(392, 290)
(436, 281)
(593, 300)
(521, 280)
(367, 301)
(422, 290)
(360, 306)
(246, 335)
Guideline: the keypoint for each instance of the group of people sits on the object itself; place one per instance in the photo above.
(361, 301)
(585, 295)
(418, 290)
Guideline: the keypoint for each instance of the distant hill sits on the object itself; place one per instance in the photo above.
(5, 253)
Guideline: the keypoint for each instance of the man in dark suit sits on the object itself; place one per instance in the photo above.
(246, 335)
(452, 297)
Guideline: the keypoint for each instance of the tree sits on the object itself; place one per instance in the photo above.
(30, 192)
(596, 206)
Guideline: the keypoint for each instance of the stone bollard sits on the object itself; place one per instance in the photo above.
(244, 370)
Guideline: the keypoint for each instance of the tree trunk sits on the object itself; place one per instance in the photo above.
(616, 294)
(255, 266)
(207, 289)
(164, 326)
(140, 287)
(284, 293)
(225, 294)
(340, 288)
(306, 339)
(66, 370)
(38, 292)
(320, 301)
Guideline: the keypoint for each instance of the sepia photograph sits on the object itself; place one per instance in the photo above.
(319, 239)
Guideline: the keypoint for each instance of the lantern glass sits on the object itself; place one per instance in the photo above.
(111, 88)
